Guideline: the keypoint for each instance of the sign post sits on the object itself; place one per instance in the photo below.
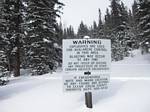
(88, 99)
(88, 95)
(87, 65)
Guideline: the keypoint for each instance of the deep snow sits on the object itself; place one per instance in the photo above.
(136, 66)
(129, 91)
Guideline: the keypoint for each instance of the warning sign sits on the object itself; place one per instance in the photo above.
(80, 55)
(86, 82)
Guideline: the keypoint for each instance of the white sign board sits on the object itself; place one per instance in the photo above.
(82, 55)
(86, 83)
(91, 56)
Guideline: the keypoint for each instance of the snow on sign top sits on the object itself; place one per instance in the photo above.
(82, 55)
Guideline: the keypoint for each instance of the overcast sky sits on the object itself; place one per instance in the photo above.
(76, 11)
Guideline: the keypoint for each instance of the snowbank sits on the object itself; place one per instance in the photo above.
(34, 94)
(129, 91)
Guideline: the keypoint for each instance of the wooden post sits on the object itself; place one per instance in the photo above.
(88, 95)
(88, 99)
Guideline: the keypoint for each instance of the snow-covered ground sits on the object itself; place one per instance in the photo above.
(136, 66)
(129, 91)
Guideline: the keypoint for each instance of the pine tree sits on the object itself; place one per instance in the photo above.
(11, 17)
(119, 15)
(100, 27)
(99, 19)
(97, 30)
(41, 35)
(3, 56)
(60, 33)
(124, 17)
(133, 41)
(118, 29)
(3, 61)
(2, 42)
(82, 30)
(65, 35)
(115, 13)
(135, 11)
(135, 18)
(70, 32)
(93, 31)
(107, 24)
(144, 19)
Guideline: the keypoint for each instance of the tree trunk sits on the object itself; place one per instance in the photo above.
(18, 30)
(17, 65)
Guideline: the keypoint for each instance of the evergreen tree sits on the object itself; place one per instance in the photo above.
(144, 19)
(41, 35)
(118, 29)
(11, 30)
(70, 32)
(3, 56)
(124, 16)
(60, 33)
(93, 31)
(135, 11)
(131, 18)
(100, 27)
(134, 20)
(82, 30)
(100, 23)
(65, 35)
(107, 24)
(119, 15)
(115, 13)
(132, 32)
(2, 44)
